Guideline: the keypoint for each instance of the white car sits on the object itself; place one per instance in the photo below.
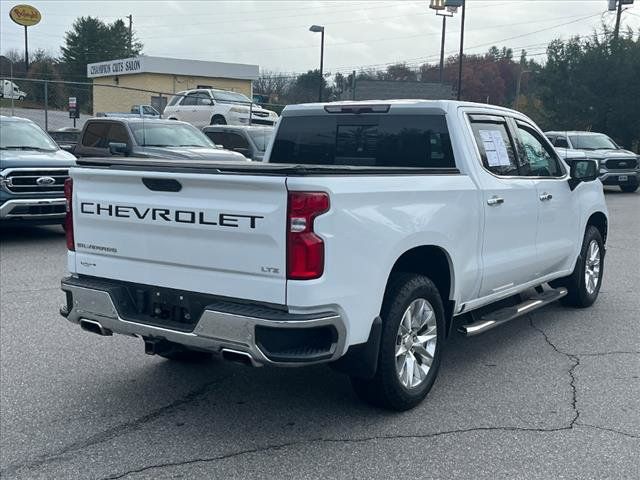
(368, 229)
(217, 107)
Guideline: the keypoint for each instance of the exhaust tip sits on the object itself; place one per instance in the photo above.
(238, 357)
(94, 327)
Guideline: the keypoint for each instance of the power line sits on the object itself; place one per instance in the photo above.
(386, 39)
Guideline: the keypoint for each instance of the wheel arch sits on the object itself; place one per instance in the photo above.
(600, 221)
(434, 262)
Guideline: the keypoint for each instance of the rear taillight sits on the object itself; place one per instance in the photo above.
(305, 249)
(68, 221)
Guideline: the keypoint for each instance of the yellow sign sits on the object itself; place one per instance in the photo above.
(25, 15)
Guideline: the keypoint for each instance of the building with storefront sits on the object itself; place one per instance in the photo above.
(118, 84)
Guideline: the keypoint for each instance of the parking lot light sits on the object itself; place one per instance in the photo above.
(319, 29)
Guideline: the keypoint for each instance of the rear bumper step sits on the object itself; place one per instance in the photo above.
(499, 317)
(264, 335)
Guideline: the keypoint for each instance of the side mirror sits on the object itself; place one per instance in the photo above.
(117, 148)
(583, 170)
(209, 101)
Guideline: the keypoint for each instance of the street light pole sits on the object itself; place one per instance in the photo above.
(444, 29)
(445, 10)
(464, 10)
(319, 29)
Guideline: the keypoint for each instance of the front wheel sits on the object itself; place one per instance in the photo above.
(218, 120)
(629, 188)
(21, 98)
(410, 345)
(583, 285)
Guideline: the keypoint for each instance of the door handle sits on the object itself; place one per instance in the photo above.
(495, 200)
(545, 196)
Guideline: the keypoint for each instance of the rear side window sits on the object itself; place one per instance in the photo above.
(495, 146)
(95, 134)
(420, 141)
(99, 135)
(217, 137)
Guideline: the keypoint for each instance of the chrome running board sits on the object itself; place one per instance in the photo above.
(503, 315)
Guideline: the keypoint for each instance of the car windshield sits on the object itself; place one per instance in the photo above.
(230, 97)
(169, 135)
(261, 137)
(25, 136)
(592, 142)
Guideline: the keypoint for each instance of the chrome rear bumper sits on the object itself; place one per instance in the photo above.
(215, 331)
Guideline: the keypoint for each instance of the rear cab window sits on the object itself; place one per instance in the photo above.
(364, 140)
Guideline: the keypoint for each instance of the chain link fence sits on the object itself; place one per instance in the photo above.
(46, 102)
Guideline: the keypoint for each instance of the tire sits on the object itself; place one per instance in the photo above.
(386, 389)
(20, 98)
(629, 188)
(580, 293)
(218, 120)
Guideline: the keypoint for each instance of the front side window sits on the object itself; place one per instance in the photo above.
(418, 141)
(495, 146)
(236, 141)
(537, 159)
(216, 137)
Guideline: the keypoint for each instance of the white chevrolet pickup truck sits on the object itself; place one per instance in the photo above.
(372, 233)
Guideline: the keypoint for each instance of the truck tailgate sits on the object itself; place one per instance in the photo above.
(220, 234)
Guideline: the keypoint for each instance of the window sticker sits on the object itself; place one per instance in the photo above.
(495, 148)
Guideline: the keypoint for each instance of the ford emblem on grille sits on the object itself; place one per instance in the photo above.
(46, 181)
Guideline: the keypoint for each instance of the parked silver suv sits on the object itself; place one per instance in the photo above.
(617, 166)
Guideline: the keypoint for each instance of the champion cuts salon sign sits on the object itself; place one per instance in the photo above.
(115, 67)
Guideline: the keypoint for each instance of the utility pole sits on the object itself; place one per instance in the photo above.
(464, 11)
(130, 17)
(444, 29)
(26, 51)
(618, 17)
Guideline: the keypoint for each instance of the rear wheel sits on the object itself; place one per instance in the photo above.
(629, 188)
(410, 346)
(583, 285)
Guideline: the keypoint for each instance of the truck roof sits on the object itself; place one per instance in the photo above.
(441, 106)
(134, 119)
(572, 132)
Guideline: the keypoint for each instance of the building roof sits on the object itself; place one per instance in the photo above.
(172, 66)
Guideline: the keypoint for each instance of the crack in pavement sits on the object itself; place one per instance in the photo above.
(111, 433)
(575, 360)
(416, 436)
(138, 423)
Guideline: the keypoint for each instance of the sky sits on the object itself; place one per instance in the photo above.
(358, 34)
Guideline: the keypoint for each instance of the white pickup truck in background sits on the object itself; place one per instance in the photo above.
(370, 229)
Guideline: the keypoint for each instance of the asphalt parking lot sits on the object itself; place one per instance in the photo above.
(552, 395)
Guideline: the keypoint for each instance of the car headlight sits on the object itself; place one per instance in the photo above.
(273, 114)
(239, 109)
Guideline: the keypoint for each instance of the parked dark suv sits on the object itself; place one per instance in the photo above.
(33, 169)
